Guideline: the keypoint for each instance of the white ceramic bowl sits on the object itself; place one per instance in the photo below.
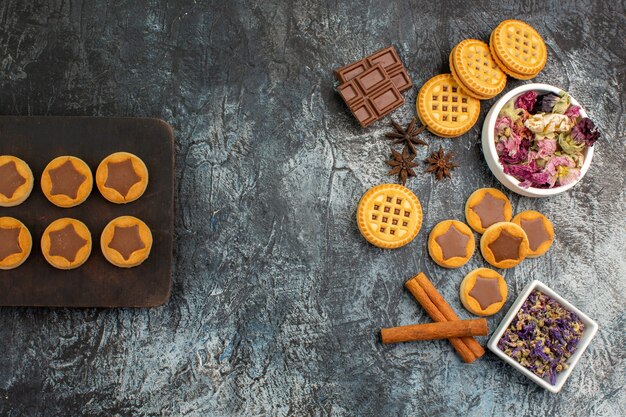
(591, 327)
(491, 155)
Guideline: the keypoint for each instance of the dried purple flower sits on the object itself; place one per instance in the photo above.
(526, 101)
(542, 336)
(585, 131)
(545, 103)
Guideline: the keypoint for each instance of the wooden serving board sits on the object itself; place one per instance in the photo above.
(97, 283)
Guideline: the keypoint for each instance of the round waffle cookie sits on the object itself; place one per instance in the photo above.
(389, 216)
(475, 70)
(444, 108)
(463, 87)
(519, 48)
(507, 71)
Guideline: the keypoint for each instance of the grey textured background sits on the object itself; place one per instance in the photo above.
(277, 299)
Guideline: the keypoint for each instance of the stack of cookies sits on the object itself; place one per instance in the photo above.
(478, 72)
(475, 70)
(518, 49)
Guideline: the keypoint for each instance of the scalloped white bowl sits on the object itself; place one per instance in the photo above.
(491, 155)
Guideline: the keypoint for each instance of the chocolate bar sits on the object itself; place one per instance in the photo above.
(388, 58)
(371, 95)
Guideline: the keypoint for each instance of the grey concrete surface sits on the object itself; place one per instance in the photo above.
(277, 299)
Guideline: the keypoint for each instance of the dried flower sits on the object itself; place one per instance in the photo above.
(545, 103)
(585, 131)
(402, 164)
(530, 175)
(548, 123)
(542, 336)
(546, 149)
(503, 126)
(569, 145)
(509, 110)
(526, 101)
(562, 170)
(573, 112)
(513, 150)
(440, 164)
(562, 104)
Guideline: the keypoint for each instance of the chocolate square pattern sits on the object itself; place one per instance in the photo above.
(97, 283)
(371, 95)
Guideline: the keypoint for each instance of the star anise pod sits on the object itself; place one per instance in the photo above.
(402, 164)
(440, 164)
(408, 136)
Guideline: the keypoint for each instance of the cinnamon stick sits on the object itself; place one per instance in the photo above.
(432, 331)
(420, 295)
(447, 311)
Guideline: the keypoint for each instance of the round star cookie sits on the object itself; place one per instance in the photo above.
(15, 243)
(483, 292)
(539, 230)
(126, 241)
(504, 245)
(122, 177)
(485, 207)
(475, 70)
(451, 244)
(16, 181)
(519, 48)
(389, 216)
(444, 108)
(66, 243)
(66, 181)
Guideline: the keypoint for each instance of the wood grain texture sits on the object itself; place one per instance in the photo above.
(277, 298)
(97, 283)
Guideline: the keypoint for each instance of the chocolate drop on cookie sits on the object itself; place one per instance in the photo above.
(486, 291)
(122, 176)
(126, 240)
(66, 243)
(536, 232)
(506, 246)
(9, 242)
(452, 243)
(10, 179)
(490, 210)
(66, 180)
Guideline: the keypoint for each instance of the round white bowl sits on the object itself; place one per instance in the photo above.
(491, 155)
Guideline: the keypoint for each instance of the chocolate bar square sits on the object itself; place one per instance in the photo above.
(390, 61)
(371, 95)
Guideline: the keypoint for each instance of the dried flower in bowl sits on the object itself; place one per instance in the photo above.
(541, 139)
(542, 336)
